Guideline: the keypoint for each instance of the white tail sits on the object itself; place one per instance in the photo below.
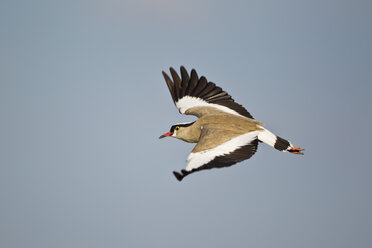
(272, 140)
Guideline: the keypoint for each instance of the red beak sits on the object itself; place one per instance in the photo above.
(165, 135)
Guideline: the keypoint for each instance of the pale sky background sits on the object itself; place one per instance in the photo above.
(83, 102)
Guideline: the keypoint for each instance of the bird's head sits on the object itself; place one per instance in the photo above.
(177, 130)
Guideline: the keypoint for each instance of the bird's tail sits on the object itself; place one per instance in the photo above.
(278, 143)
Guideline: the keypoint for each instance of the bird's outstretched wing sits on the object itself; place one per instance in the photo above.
(206, 155)
(190, 91)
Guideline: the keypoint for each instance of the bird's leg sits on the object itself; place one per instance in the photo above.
(296, 150)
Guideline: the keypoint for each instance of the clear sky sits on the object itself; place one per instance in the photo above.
(83, 102)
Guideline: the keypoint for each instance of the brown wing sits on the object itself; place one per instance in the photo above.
(232, 150)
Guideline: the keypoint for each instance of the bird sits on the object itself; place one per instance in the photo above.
(225, 132)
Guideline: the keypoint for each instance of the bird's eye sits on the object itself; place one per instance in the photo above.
(177, 128)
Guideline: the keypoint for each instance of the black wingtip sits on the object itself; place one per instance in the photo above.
(193, 71)
(164, 74)
(172, 70)
(178, 175)
(185, 76)
(170, 85)
(177, 83)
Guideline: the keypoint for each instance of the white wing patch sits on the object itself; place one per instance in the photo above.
(197, 159)
(188, 102)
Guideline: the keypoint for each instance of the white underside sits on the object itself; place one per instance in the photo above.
(188, 102)
(197, 159)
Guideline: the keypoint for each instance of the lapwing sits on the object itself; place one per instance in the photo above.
(225, 132)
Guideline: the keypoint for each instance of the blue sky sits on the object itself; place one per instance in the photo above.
(83, 102)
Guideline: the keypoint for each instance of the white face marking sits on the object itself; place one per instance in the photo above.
(188, 102)
(183, 123)
(180, 126)
(197, 159)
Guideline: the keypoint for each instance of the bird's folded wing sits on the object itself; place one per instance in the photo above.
(226, 152)
(190, 91)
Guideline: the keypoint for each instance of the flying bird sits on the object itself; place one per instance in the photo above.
(225, 132)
